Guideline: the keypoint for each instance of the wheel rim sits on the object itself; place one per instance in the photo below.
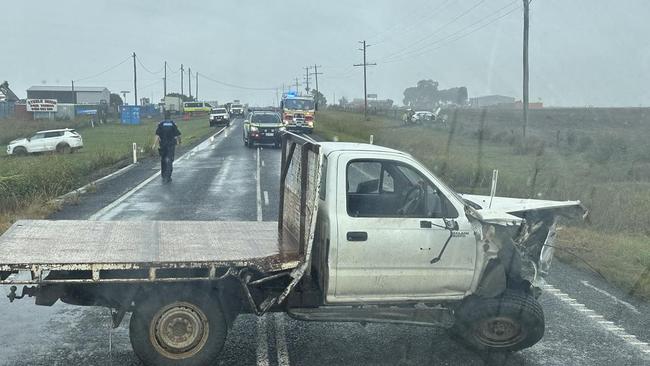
(179, 330)
(499, 332)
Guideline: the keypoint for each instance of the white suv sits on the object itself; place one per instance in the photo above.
(62, 141)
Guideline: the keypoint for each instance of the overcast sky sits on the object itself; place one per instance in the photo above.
(583, 52)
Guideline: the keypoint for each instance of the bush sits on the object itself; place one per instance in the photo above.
(584, 142)
(529, 145)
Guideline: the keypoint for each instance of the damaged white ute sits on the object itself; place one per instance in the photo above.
(365, 234)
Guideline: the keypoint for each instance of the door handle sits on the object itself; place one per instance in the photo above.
(357, 236)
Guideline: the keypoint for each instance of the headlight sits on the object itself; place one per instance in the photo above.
(253, 129)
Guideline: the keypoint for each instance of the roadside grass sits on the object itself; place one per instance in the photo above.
(616, 190)
(27, 184)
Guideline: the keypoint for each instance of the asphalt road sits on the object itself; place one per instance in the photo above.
(588, 321)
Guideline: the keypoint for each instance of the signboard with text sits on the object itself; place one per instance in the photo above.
(41, 105)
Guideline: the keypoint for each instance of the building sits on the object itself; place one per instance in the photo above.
(63, 94)
(491, 101)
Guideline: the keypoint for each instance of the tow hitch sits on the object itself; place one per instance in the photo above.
(27, 291)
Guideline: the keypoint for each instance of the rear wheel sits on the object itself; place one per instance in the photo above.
(510, 322)
(178, 327)
(63, 148)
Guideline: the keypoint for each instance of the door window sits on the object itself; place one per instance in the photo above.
(384, 188)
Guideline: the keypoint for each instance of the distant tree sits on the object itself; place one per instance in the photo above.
(426, 95)
(343, 102)
(115, 100)
(319, 98)
(183, 97)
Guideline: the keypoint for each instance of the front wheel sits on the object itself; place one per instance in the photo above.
(510, 322)
(177, 326)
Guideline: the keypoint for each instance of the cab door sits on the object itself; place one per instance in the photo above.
(36, 143)
(392, 221)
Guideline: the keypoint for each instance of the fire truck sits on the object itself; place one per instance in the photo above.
(298, 112)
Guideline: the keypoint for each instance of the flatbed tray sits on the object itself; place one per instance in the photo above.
(78, 245)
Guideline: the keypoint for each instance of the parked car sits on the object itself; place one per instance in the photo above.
(63, 141)
(219, 117)
(424, 116)
(263, 128)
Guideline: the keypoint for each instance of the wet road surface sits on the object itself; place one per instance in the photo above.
(588, 321)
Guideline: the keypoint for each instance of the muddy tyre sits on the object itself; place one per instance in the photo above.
(178, 327)
(20, 151)
(63, 148)
(510, 322)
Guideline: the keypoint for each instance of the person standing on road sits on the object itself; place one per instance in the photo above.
(167, 136)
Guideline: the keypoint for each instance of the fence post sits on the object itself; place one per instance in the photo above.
(135, 153)
(372, 139)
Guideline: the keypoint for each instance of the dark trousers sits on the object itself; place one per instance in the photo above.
(166, 160)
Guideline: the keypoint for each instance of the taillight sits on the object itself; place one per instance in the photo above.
(309, 118)
(288, 117)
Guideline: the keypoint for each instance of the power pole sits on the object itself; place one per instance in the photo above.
(196, 95)
(74, 95)
(525, 57)
(316, 73)
(297, 85)
(307, 79)
(135, 81)
(189, 82)
(182, 72)
(165, 81)
(365, 64)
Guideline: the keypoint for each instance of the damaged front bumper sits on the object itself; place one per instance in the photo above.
(518, 238)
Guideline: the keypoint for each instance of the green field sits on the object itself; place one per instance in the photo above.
(27, 184)
(595, 155)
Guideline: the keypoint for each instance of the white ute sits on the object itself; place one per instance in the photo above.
(62, 141)
(365, 234)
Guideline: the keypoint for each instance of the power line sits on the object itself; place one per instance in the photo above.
(453, 20)
(146, 69)
(453, 36)
(424, 16)
(234, 85)
(105, 71)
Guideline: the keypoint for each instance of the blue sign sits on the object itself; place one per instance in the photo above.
(130, 114)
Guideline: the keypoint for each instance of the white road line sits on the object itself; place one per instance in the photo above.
(259, 188)
(616, 299)
(281, 341)
(262, 342)
(97, 215)
(262, 163)
(610, 326)
(266, 198)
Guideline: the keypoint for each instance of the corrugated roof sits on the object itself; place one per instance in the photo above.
(67, 88)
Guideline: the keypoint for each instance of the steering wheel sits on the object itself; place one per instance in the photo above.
(412, 199)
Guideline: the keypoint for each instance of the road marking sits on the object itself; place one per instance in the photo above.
(281, 341)
(616, 299)
(610, 326)
(112, 205)
(259, 188)
(266, 198)
(262, 342)
(262, 163)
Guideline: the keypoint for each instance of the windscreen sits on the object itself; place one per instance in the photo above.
(299, 104)
(265, 118)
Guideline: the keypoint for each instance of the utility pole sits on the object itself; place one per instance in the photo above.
(196, 95)
(74, 95)
(135, 81)
(525, 57)
(182, 72)
(297, 85)
(307, 79)
(165, 81)
(365, 64)
(316, 73)
(189, 82)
